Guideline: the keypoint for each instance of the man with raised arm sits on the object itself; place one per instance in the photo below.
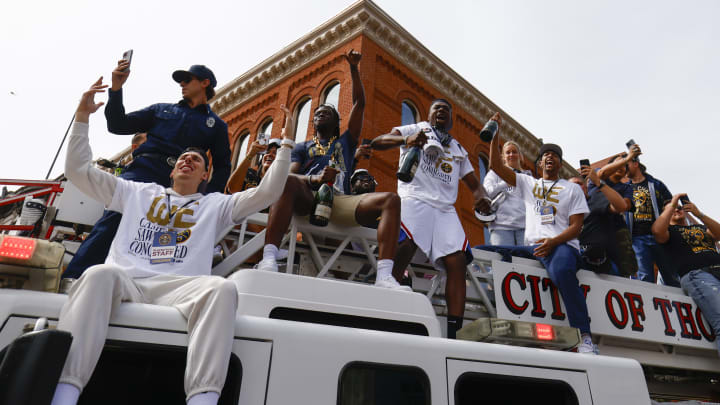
(310, 170)
(429, 220)
(170, 128)
(554, 212)
(694, 254)
(161, 254)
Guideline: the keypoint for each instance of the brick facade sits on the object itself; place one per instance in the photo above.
(388, 82)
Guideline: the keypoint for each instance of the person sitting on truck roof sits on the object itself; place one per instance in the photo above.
(696, 259)
(171, 128)
(161, 254)
(429, 219)
(310, 169)
(554, 212)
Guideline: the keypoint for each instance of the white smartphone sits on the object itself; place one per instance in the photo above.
(127, 55)
(262, 138)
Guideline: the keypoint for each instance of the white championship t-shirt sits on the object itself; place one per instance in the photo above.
(564, 197)
(195, 224)
(436, 178)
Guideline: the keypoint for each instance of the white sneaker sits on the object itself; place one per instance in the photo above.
(391, 283)
(587, 347)
(267, 265)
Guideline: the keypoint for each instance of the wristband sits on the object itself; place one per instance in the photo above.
(288, 143)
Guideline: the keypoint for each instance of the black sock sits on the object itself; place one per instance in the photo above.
(454, 323)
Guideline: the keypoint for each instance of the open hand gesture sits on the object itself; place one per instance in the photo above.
(87, 103)
(288, 122)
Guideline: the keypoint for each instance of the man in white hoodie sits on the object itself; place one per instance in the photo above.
(162, 255)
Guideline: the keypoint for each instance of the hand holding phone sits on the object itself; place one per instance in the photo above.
(127, 56)
(630, 143)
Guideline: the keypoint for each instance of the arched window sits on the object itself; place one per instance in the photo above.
(240, 150)
(266, 128)
(409, 113)
(302, 122)
(331, 95)
(483, 165)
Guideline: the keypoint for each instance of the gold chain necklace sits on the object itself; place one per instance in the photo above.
(322, 150)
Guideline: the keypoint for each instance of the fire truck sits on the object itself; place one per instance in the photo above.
(318, 332)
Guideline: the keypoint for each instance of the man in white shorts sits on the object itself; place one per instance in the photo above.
(160, 256)
(554, 212)
(428, 216)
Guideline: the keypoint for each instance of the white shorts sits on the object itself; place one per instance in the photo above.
(436, 232)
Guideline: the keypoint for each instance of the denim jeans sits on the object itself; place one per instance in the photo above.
(562, 266)
(647, 252)
(507, 237)
(704, 289)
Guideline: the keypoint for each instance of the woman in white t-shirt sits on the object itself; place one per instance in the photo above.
(509, 225)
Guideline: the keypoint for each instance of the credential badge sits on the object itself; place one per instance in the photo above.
(210, 122)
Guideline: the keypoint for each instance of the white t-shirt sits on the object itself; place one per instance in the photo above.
(510, 214)
(436, 178)
(565, 197)
(197, 222)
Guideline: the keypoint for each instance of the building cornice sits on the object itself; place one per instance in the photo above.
(364, 17)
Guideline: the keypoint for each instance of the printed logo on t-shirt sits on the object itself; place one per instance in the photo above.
(643, 204)
(698, 240)
(437, 167)
(158, 219)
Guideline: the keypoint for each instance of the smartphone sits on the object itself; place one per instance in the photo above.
(127, 55)
(630, 143)
(584, 162)
(262, 138)
(684, 200)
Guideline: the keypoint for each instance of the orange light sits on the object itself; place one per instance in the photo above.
(17, 247)
(544, 332)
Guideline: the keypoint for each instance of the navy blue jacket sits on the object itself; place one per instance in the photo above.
(171, 128)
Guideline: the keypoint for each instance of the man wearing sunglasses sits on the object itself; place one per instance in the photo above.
(310, 169)
(170, 128)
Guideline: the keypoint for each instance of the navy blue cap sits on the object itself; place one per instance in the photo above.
(200, 71)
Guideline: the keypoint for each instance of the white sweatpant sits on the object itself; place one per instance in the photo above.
(208, 303)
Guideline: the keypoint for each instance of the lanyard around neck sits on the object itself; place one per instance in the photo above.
(170, 210)
(548, 191)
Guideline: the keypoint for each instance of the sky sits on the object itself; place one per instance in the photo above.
(586, 75)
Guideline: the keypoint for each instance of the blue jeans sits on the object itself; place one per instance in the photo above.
(96, 246)
(647, 252)
(704, 289)
(507, 237)
(562, 266)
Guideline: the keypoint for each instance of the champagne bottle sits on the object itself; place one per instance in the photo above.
(322, 208)
(489, 130)
(409, 164)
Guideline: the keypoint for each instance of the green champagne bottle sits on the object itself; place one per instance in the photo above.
(409, 164)
(322, 208)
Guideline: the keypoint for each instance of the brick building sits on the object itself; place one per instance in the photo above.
(400, 76)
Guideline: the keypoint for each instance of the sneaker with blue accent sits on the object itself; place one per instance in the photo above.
(587, 346)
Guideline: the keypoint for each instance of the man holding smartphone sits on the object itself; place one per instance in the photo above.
(696, 259)
(649, 196)
(170, 128)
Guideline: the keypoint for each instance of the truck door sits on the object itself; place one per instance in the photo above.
(479, 382)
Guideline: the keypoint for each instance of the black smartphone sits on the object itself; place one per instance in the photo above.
(630, 143)
(684, 200)
(584, 162)
(127, 55)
